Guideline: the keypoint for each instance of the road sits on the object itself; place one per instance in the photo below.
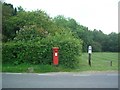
(60, 80)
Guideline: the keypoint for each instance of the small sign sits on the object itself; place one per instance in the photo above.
(90, 49)
(55, 54)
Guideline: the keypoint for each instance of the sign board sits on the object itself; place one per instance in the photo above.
(90, 49)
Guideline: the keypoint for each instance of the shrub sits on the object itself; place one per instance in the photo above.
(38, 50)
(41, 53)
(20, 52)
(69, 48)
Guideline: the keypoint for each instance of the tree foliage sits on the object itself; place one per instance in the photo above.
(38, 50)
(96, 38)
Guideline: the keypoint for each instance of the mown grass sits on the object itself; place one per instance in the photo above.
(100, 62)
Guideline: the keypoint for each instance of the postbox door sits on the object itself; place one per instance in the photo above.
(56, 58)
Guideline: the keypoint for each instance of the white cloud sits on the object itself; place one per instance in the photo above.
(95, 14)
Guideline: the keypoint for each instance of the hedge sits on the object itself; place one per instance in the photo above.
(41, 52)
(17, 53)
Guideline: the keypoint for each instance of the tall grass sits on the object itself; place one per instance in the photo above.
(24, 68)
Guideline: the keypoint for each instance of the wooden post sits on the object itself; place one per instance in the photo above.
(89, 59)
(110, 63)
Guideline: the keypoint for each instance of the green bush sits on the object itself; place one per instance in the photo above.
(19, 52)
(69, 48)
(41, 53)
(34, 49)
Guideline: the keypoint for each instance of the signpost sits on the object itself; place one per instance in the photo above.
(89, 52)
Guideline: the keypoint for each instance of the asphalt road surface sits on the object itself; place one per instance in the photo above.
(60, 80)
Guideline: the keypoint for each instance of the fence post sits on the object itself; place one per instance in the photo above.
(110, 63)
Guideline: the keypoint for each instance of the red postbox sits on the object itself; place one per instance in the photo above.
(55, 55)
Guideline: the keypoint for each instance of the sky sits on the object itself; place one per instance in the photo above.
(94, 14)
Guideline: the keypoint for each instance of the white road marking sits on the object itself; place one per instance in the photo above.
(12, 73)
(112, 74)
(81, 75)
(54, 74)
(46, 74)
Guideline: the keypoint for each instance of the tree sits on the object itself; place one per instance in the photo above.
(30, 33)
(15, 21)
(96, 47)
(7, 25)
(113, 42)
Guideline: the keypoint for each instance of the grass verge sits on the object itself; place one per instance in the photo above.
(100, 62)
(33, 68)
